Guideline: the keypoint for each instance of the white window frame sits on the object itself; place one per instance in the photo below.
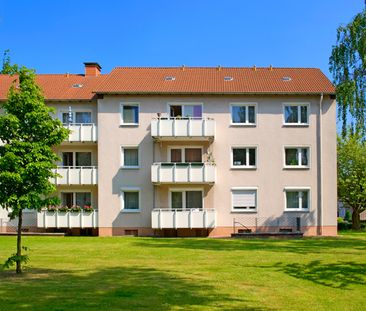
(129, 189)
(74, 151)
(299, 189)
(122, 104)
(62, 111)
(132, 167)
(243, 210)
(182, 148)
(241, 167)
(184, 190)
(299, 151)
(299, 123)
(246, 123)
(182, 104)
(74, 195)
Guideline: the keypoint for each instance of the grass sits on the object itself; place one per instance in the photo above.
(125, 273)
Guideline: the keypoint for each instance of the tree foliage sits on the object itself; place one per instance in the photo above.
(8, 68)
(28, 133)
(348, 66)
(352, 174)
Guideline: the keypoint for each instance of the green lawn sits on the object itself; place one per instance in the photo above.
(125, 273)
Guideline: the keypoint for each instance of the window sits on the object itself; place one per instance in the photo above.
(76, 198)
(296, 157)
(129, 114)
(296, 114)
(130, 200)
(243, 114)
(186, 199)
(297, 199)
(244, 200)
(185, 155)
(130, 157)
(76, 159)
(185, 111)
(243, 157)
(76, 117)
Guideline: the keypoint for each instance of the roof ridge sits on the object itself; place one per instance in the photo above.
(209, 67)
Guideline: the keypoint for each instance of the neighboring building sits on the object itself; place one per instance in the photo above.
(195, 151)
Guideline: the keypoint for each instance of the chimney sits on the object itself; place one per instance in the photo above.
(92, 69)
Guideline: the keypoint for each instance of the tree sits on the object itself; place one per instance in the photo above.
(348, 66)
(352, 174)
(8, 68)
(29, 133)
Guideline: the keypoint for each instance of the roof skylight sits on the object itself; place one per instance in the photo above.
(228, 78)
(169, 78)
(77, 85)
(286, 79)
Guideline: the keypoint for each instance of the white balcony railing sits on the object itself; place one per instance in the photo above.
(179, 218)
(46, 219)
(82, 132)
(199, 128)
(76, 175)
(183, 173)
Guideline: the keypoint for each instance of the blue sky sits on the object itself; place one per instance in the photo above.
(58, 36)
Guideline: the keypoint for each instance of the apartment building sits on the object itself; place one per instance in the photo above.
(194, 151)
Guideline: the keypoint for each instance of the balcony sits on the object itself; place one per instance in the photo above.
(179, 218)
(199, 173)
(82, 132)
(76, 175)
(46, 219)
(183, 128)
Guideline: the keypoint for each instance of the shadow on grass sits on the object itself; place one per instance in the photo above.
(119, 288)
(301, 246)
(336, 275)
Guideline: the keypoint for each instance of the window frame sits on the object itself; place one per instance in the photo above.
(184, 203)
(122, 206)
(244, 167)
(132, 167)
(136, 104)
(299, 123)
(244, 104)
(243, 210)
(168, 104)
(74, 151)
(297, 189)
(74, 195)
(62, 111)
(297, 167)
(182, 148)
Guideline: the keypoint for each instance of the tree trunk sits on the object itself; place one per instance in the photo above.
(19, 243)
(355, 219)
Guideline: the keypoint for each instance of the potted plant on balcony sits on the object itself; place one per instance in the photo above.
(88, 209)
(63, 209)
(51, 208)
(75, 209)
(210, 158)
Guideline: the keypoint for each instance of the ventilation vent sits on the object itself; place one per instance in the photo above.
(77, 85)
(228, 78)
(286, 79)
(169, 78)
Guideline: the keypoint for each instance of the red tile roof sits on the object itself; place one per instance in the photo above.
(186, 80)
(59, 86)
(210, 80)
